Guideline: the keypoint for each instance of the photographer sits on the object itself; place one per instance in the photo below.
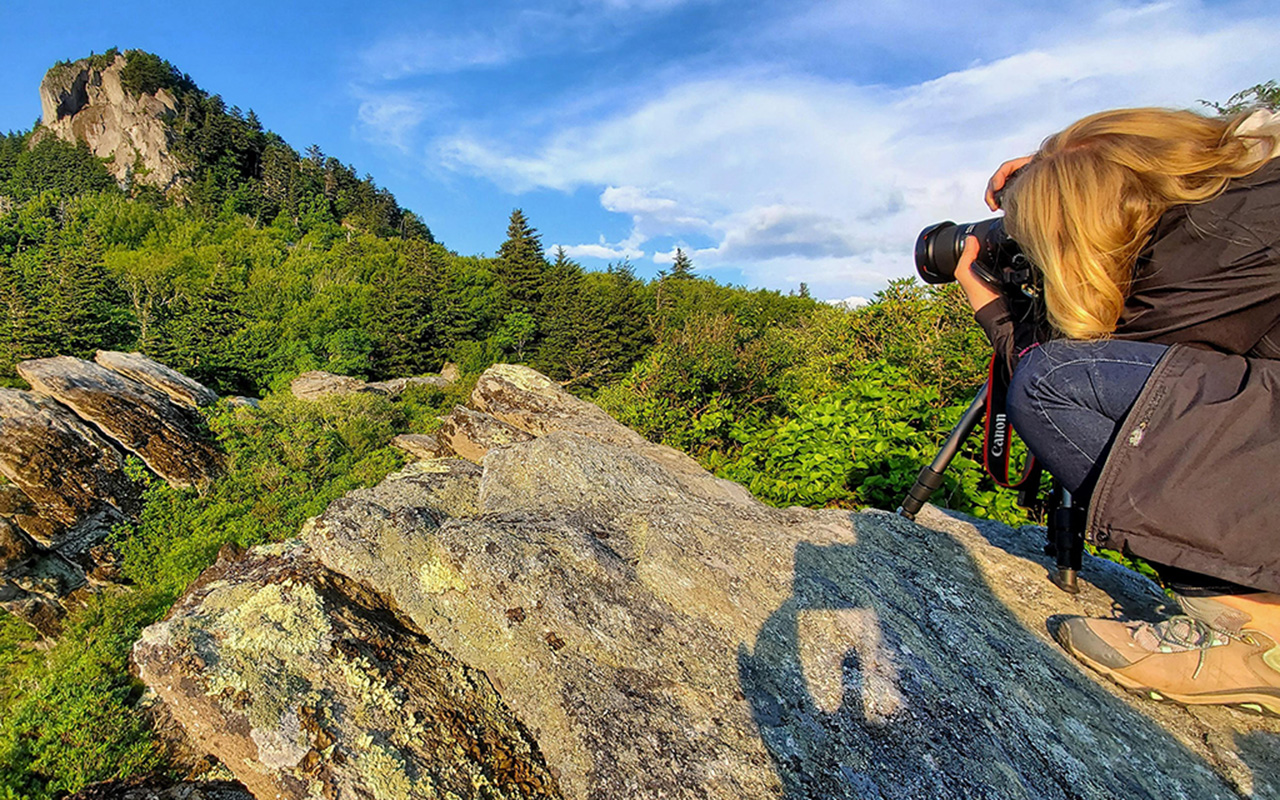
(1156, 239)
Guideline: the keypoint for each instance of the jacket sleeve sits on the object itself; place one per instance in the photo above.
(997, 322)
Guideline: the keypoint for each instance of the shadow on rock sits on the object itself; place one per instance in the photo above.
(893, 672)
(1261, 751)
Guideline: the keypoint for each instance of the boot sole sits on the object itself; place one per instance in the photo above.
(1250, 702)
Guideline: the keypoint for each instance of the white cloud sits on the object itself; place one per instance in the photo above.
(391, 119)
(603, 251)
(433, 52)
(797, 178)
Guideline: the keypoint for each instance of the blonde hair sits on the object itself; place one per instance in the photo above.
(1084, 206)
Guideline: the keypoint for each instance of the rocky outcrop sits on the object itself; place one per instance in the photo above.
(311, 386)
(70, 473)
(177, 387)
(142, 420)
(310, 680)
(68, 485)
(601, 619)
(86, 102)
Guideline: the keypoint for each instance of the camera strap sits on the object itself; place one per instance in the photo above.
(998, 433)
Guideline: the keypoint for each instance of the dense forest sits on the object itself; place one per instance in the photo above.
(267, 263)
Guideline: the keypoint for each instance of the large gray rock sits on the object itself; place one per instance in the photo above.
(173, 384)
(422, 445)
(312, 386)
(532, 402)
(657, 633)
(307, 685)
(141, 420)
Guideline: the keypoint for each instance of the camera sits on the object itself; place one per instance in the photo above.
(1000, 261)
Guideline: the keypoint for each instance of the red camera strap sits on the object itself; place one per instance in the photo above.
(998, 433)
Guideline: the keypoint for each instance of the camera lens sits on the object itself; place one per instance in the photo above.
(936, 254)
(939, 247)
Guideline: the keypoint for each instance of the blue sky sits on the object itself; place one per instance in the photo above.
(778, 142)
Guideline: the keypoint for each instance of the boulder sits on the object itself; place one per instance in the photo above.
(532, 402)
(313, 385)
(422, 445)
(471, 434)
(69, 474)
(316, 384)
(244, 402)
(173, 384)
(41, 589)
(631, 627)
(307, 685)
(140, 419)
(449, 372)
(15, 546)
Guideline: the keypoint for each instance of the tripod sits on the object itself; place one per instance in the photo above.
(1065, 520)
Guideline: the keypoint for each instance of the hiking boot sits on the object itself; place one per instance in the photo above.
(1181, 659)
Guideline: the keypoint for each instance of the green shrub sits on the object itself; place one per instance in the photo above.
(862, 445)
(74, 721)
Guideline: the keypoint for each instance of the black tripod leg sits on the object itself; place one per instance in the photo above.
(930, 478)
(1066, 540)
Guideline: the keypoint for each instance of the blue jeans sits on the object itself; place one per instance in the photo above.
(1068, 398)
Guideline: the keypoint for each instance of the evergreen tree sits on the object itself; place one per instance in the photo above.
(521, 266)
(563, 321)
(681, 267)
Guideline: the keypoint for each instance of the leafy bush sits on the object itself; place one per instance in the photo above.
(73, 720)
(698, 381)
(862, 445)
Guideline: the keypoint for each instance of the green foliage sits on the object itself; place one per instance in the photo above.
(1262, 95)
(72, 719)
(146, 73)
(698, 382)
(521, 265)
(862, 445)
(31, 164)
(286, 462)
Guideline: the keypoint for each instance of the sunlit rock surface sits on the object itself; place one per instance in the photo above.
(177, 387)
(63, 449)
(140, 419)
(623, 624)
(86, 103)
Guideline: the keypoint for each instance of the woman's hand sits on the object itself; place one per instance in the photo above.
(977, 291)
(998, 180)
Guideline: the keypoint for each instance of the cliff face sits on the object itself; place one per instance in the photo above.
(82, 102)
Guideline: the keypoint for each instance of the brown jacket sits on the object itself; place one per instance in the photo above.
(1188, 480)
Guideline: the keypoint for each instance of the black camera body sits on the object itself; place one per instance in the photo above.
(1000, 260)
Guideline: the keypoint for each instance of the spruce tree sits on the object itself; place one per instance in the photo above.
(681, 267)
(521, 266)
(563, 320)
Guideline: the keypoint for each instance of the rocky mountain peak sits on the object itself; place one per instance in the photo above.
(88, 101)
